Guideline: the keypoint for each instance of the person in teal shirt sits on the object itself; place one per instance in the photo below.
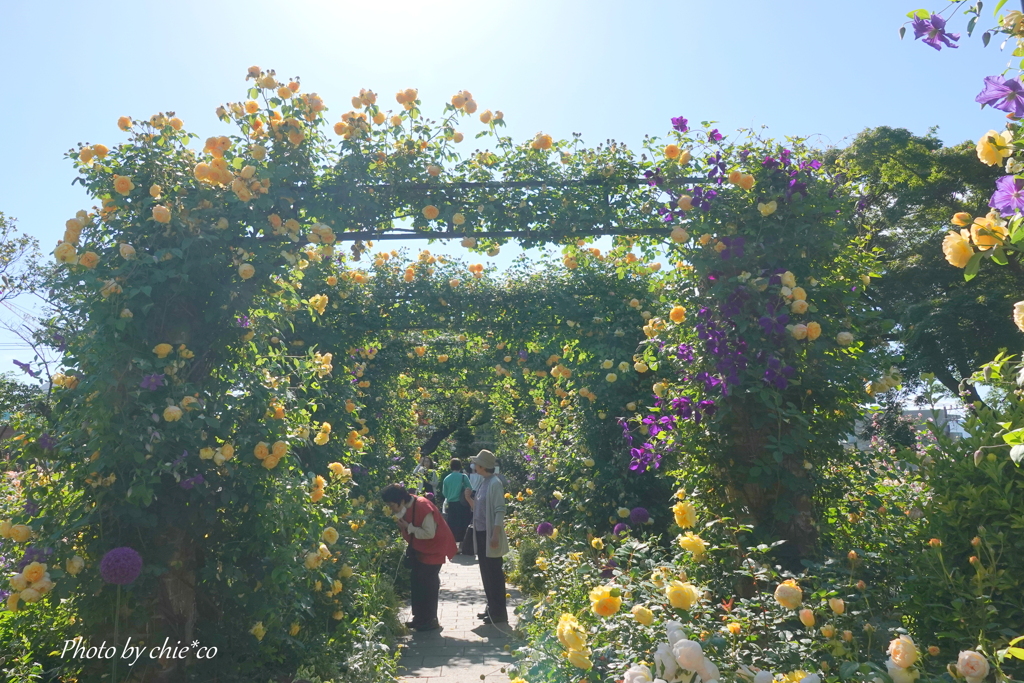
(457, 494)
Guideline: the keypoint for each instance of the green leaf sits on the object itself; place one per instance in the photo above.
(1014, 438)
(972, 267)
(985, 38)
(999, 256)
(999, 6)
(971, 24)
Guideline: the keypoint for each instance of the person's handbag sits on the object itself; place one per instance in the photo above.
(467, 541)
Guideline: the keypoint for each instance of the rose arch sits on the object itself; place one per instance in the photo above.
(238, 385)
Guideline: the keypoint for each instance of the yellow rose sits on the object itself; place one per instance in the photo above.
(988, 232)
(685, 514)
(642, 615)
(30, 595)
(123, 185)
(844, 338)
(19, 582)
(837, 605)
(682, 595)
(161, 350)
(258, 630)
(279, 449)
(788, 594)
(902, 650)
(993, 148)
(597, 544)
(127, 251)
(605, 601)
(767, 209)
(570, 634)
(66, 253)
(12, 602)
(806, 617)
(799, 331)
(577, 658)
(20, 533)
(89, 259)
(172, 413)
(694, 543)
(270, 462)
(246, 271)
(957, 248)
(828, 630)
(261, 451)
(161, 214)
(294, 630)
(74, 565)
(430, 212)
(799, 307)
(34, 572)
(813, 331)
(110, 288)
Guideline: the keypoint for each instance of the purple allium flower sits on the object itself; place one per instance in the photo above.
(152, 382)
(121, 566)
(545, 529)
(679, 124)
(553, 503)
(935, 29)
(639, 515)
(1009, 195)
(1002, 94)
(620, 528)
(46, 442)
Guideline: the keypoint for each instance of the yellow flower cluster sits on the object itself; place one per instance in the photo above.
(270, 455)
(694, 543)
(29, 585)
(788, 594)
(324, 434)
(574, 639)
(19, 533)
(985, 233)
(323, 364)
(319, 484)
(219, 455)
(319, 303)
(685, 514)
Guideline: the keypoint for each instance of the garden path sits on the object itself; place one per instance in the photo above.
(464, 649)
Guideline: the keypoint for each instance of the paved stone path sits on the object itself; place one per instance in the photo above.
(465, 649)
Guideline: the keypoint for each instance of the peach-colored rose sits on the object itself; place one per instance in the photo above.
(89, 259)
(123, 184)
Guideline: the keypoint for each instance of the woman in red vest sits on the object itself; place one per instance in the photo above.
(431, 544)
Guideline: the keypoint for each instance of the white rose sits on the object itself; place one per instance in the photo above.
(688, 654)
(707, 671)
(638, 673)
(675, 632)
(665, 662)
(972, 665)
(764, 677)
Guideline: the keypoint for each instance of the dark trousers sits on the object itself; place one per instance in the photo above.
(458, 518)
(492, 572)
(426, 584)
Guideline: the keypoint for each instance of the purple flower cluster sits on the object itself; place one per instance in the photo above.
(545, 529)
(46, 442)
(776, 374)
(935, 30)
(730, 355)
(243, 321)
(121, 566)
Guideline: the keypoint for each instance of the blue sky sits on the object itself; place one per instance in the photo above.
(603, 69)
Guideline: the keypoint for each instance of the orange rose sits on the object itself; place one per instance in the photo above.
(430, 212)
(124, 123)
(161, 214)
(123, 184)
(89, 259)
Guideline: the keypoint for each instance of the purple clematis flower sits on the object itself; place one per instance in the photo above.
(46, 442)
(1009, 195)
(935, 30)
(679, 124)
(714, 136)
(26, 368)
(1002, 94)
(152, 382)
